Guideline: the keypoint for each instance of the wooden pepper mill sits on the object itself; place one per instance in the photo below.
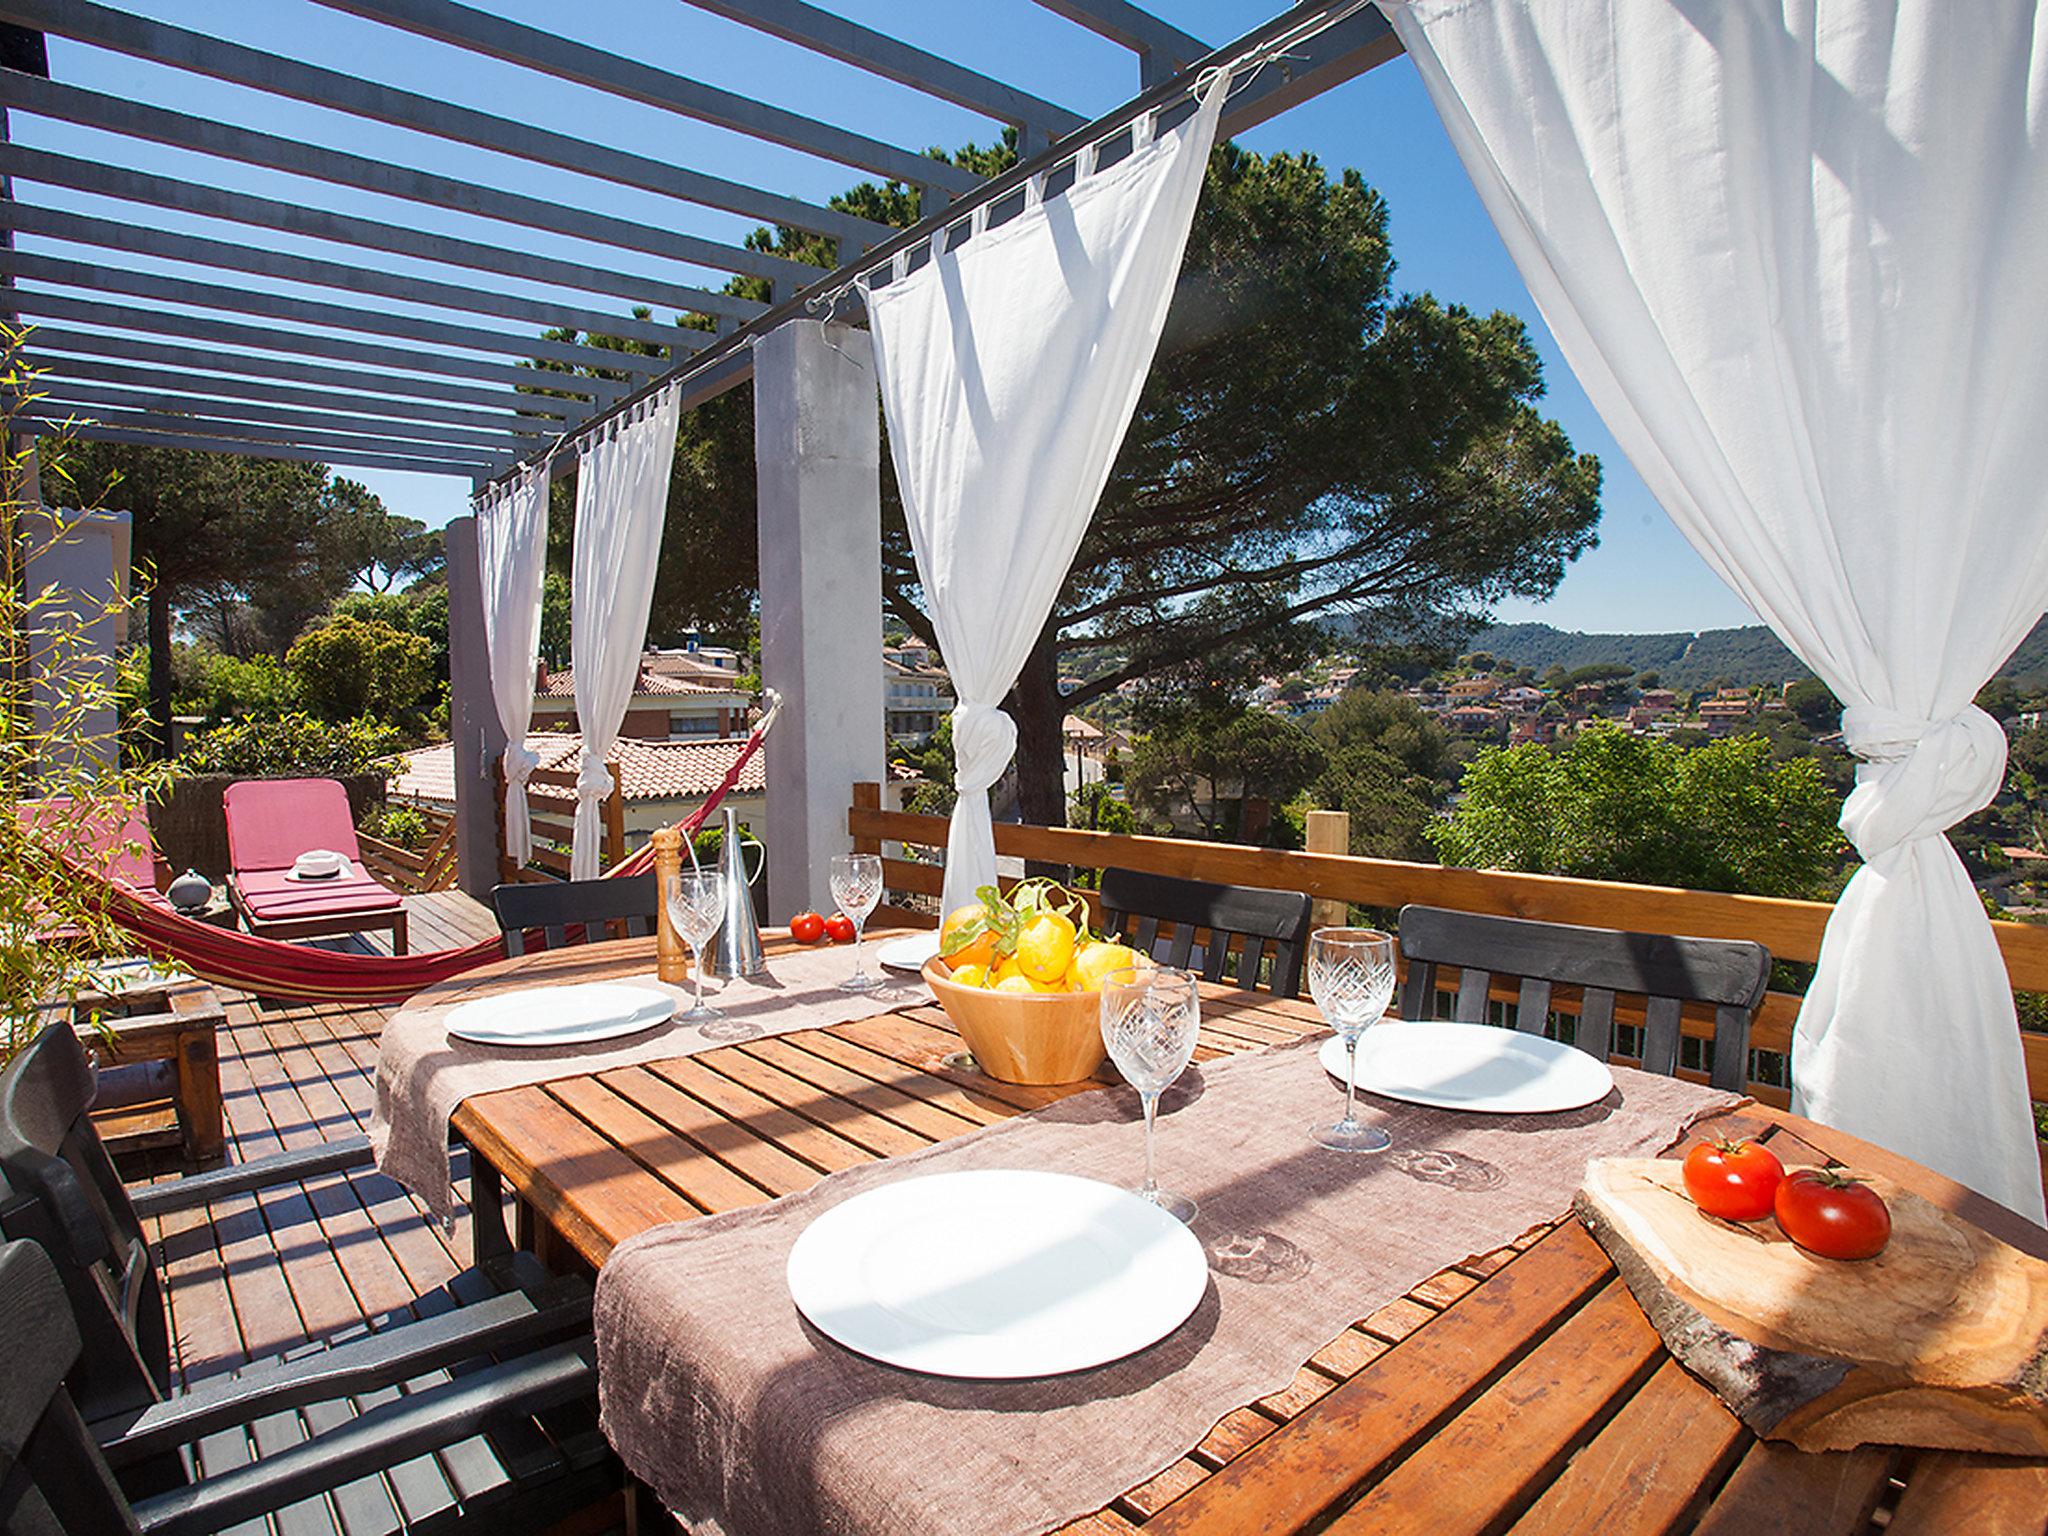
(669, 963)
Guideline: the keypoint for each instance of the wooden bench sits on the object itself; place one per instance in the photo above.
(159, 1059)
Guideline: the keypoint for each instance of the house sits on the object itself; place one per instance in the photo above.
(1522, 697)
(1467, 690)
(1659, 701)
(916, 693)
(1473, 719)
(660, 781)
(1724, 716)
(695, 663)
(664, 707)
(1532, 728)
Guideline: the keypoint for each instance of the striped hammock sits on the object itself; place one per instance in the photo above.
(277, 968)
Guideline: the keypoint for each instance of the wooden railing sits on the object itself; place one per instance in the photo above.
(414, 871)
(1791, 930)
(554, 826)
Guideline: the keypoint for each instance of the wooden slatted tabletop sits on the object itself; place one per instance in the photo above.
(1520, 1390)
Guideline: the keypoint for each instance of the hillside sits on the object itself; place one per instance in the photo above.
(1743, 657)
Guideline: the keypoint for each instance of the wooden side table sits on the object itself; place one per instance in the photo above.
(159, 1065)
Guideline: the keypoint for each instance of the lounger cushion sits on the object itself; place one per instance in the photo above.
(272, 821)
(272, 897)
(123, 842)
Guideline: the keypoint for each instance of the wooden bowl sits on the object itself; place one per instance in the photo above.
(1048, 1038)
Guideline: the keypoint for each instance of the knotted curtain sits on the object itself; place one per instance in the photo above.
(1009, 369)
(1797, 253)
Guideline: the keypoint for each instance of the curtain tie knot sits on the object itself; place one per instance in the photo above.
(593, 781)
(1918, 777)
(519, 762)
(984, 740)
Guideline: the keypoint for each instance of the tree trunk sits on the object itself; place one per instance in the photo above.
(1041, 739)
(160, 669)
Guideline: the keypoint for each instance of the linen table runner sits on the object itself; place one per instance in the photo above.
(716, 1393)
(423, 1075)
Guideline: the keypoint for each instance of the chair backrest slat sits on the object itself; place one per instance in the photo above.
(1666, 971)
(1474, 988)
(567, 912)
(1135, 904)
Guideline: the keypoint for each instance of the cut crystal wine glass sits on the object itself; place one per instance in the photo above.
(1150, 1017)
(1351, 978)
(857, 888)
(696, 904)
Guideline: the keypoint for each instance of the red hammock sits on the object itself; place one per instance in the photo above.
(275, 968)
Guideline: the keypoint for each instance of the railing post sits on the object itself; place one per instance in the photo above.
(1329, 832)
(867, 796)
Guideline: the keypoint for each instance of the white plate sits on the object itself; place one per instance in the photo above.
(909, 954)
(1472, 1066)
(573, 1014)
(997, 1273)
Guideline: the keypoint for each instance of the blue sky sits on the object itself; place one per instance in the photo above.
(1642, 577)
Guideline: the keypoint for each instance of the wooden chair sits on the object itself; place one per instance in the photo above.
(1728, 974)
(622, 906)
(1135, 904)
(497, 1371)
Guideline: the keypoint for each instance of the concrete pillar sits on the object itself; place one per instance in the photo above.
(472, 717)
(817, 464)
(76, 573)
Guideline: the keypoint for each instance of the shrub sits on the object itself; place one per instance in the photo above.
(292, 746)
(350, 668)
(400, 824)
(222, 687)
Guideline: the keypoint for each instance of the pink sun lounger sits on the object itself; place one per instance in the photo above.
(273, 821)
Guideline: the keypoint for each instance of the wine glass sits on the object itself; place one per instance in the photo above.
(1351, 977)
(696, 905)
(1149, 1019)
(857, 887)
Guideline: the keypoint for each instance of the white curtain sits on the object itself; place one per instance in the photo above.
(621, 499)
(1009, 370)
(1797, 253)
(511, 552)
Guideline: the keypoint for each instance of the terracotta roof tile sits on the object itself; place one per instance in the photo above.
(562, 685)
(648, 770)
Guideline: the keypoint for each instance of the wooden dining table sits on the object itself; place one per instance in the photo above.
(1522, 1389)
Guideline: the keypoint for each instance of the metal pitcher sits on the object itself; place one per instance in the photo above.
(738, 952)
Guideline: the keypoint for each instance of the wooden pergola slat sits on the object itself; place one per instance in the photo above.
(199, 442)
(82, 397)
(21, 163)
(234, 256)
(249, 146)
(105, 27)
(231, 430)
(47, 340)
(566, 59)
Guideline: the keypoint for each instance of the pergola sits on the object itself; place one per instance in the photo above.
(435, 374)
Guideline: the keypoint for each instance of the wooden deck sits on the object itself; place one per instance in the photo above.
(256, 1274)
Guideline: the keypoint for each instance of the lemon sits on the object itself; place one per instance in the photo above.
(1016, 981)
(1099, 961)
(1045, 947)
(970, 975)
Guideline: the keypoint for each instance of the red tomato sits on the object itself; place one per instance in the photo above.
(807, 927)
(1734, 1180)
(1828, 1212)
(839, 928)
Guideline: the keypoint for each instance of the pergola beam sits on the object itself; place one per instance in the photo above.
(64, 394)
(50, 169)
(200, 443)
(59, 306)
(235, 256)
(1162, 48)
(227, 428)
(59, 374)
(182, 130)
(44, 340)
(513, 43)
(795, 21)
(94, 278)
(104, 27)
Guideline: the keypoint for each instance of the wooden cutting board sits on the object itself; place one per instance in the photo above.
(1940, 1341)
